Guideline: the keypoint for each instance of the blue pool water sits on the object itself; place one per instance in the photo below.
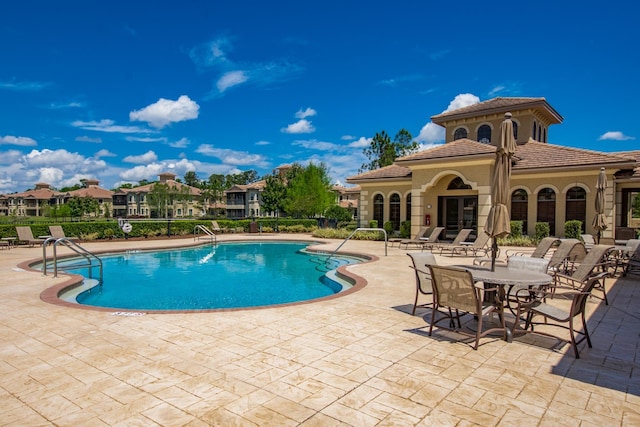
(229, 275)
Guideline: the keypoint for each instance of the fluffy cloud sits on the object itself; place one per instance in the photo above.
(17, 140)
(462, 100)
(317, 145)
(230, 79)
(152, 170)
(166, 111)
(615, 136)
(430, 133)
(232, 157)
(148, 157)
(309, 112)
(360, 142)
(301, 126)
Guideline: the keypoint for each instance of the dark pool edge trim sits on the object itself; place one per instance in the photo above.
(52, 293)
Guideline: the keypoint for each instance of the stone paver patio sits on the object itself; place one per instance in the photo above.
(359, 360)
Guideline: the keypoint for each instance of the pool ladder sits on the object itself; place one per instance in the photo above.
(351, 235)
(207, 234)
(91, 260)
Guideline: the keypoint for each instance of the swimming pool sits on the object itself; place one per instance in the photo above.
(223, 276)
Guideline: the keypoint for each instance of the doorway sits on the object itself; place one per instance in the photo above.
(456, 213)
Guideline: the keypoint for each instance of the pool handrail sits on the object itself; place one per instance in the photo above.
(75, 247)
(354, 232)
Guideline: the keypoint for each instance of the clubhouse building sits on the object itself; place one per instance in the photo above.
(449, 185)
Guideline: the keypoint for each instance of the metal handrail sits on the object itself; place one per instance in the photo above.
(83, 252)
(210, 234)
(354, 232)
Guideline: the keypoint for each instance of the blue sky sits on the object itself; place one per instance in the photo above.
(122, 91)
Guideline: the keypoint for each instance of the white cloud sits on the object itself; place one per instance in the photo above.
(317, 145)
(148, 157)
(230, 79)
(615, 136)
(462, 100)
(152, 170)
(301, 126)
(263, 143)
(18, 140)
(181, 143)
(166, 111)
(103, 153)
(430, 133)
(50, 175)
(309, 112)
(360, 142)
(232, 157)
(107, 125)
(145, 139)
(89, 139)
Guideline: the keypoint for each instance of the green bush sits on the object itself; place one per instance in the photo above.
(573, 229)
(516, 229)
(542, 230)
(342, 233)
(388, 227)
(405, 229)
(373, 223)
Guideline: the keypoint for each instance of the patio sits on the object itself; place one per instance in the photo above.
(358, 360)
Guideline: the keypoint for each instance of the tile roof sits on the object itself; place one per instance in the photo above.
(171, 183)
(92, 191)
(457, 148)
(499, 105)
(388, 172)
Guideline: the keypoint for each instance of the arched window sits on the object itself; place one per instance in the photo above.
(544, 135)
(576, 205)
(408, 214)
(533, 135)
(547, 208)
(394, 211)
(515, 130)
(460, 133)
(378, 209)
(539, 138)
(458, 184)
(519, 208)
(484, 134)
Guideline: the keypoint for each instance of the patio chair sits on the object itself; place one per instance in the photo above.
(421, 262)
(455, 291)
(416, 240)
(58, 232)
(524, 263)
(597, 259)
(540, 251)
(622, 256)
(420, 239)
(588, 240)
(25, 235)
(568, 252)
(633, 263)
(215, 227)
(533, 303)
(462, 236)
(479, 246)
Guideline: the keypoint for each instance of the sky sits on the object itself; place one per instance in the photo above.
(121, 91)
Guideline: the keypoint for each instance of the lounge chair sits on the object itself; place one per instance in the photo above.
(58, 232)
(421, 262)
(215, 227)
(624, 256)
(456, 293)
(479, 245)
(540, 251)
(25, 235)
(462, 236)
(596, 259)
(420, 238)
(568, 252)
(588, 240)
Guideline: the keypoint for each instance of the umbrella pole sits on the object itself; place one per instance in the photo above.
(494, 253)
(598, 237)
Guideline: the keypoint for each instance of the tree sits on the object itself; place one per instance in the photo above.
(383, 152)
(338, 213)
(80, 206)
(309, 191)
(242, 178)
(274, 195)
(158, 199)
(213, 189)
(191, 179)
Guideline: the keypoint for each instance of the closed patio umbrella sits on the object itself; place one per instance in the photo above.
(600, 220)
(499, 221)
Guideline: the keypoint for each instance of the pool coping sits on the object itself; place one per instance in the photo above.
(51, 295)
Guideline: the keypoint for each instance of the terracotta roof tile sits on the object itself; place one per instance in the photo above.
(387, 172)
(92, 191)
(457, 148)
(498, 105)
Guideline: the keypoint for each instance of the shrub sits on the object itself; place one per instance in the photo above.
(516, 229)
(573, 229)
(405, 229)
(388, 227)
(542, 230)
(373, 223)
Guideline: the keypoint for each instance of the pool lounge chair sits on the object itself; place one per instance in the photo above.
(595, 262)
(462, 236)
(58, 233)
(25, 235)
(479, 246)
(421, 237)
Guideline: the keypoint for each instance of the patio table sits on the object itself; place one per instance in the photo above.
(504, 277)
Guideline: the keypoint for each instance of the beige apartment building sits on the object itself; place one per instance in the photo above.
(449, 185)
